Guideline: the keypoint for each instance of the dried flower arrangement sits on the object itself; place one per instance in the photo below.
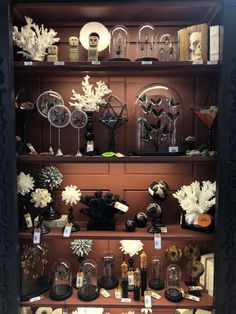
(33, 40)
(196, 199)
(101, 210)
(93, 96)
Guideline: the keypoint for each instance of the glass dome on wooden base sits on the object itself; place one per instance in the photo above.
(108, 279)
(146, 43)
(156, 281)
(119, 44)
(89, 290)
(158, 121)
(173, 292)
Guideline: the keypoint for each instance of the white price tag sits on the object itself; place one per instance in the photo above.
(195, 288)
(59, 62)
(122, 207)
(147, 299)
(37, 236)
(67, 230)
(28, 63)
(90, 146)
(146, 62)
(119, 155)
(36, 298)
(126, 300)
(96, 62)
(151, 192)
(212, 62)
(164, 229)
(155, 295)
(79, 279)
(191, 297)
(157, 241)
(131, 279)
(197, 62)
(105, 293)
(117, 294)
(28, 220)
(173, 149)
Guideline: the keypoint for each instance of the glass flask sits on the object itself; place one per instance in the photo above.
(89, 290)
(34, 280)
(119, 44)
(108, 280)
(156, 281)
(167, 48)
(146, 43)
(61, 289)
(158, 120)
(173, 292)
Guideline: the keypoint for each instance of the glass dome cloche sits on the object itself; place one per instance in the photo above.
(61, 289)
(173, 292)
(147, 43)
(89, 290)
(34, 280)
(119, 44)
(108, 279)
(158, 120)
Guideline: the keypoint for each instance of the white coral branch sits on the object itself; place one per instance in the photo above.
(92, 98)
(33, 40)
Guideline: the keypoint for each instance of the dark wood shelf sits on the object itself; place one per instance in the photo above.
(114, 68)
(131, 12)
(127, 159)
(175, 232)
(206, 302)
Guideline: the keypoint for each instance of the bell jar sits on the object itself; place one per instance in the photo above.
(108, 280)
(156, 281)
(34, 280)
(173, 292)
(61, 289)
(167, 47)
(119, 44)
(146, 43)
(89, 290)
(158, 120)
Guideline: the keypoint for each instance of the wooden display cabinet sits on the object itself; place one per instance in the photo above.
(129, 176)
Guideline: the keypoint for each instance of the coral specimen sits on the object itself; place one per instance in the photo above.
(101, 207)
(25, 183)
(92, 98)
(196, 199)
(131, 247)
(81, 247)
(33, 40)
(41, 198)
(71, 195)
(50, 177)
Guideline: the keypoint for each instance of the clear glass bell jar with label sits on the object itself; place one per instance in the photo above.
(158, 120)
(156, 281)
(61, 289)
(34, 280)
(147, 43)
(89, 290)
(173, 280)
(119, 44)
(108, 279)
(167, 47)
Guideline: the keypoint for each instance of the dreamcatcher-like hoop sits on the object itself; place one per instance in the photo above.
(78, 120)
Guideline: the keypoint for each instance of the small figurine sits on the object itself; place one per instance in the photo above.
(93, 47)
(52, 55)
(74, 49)
(143, 261)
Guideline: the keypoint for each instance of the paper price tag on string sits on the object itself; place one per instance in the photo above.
(147, 299)
(105, 293)
(67, 230)
(36, 298)
(79, 279)
(204, 220)
(28, 220)
(164, 230)
(146, 62)
(155, 295)
(122, 207)
(191, 297)
(90, 146)
(28, 62)
(59, 63)
(131, 279)
(118, 293)
(126, 300)
(37, 236)
(195, 288)
(157, 241)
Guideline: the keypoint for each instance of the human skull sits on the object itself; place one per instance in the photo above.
(52, 50)
(195, 45)
(93, 40)
(73, 41)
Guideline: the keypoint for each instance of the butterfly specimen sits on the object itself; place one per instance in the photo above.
(173, 116)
